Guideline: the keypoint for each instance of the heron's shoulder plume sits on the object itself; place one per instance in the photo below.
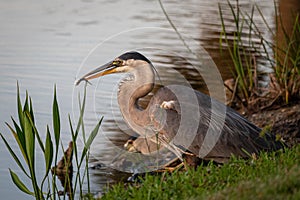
(134, 55)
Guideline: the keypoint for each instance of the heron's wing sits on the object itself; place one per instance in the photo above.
(238, 136)
(210, 129)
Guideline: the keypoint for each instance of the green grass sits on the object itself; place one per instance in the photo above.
(270, 176)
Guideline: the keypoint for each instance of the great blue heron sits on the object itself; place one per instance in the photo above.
(237, 137)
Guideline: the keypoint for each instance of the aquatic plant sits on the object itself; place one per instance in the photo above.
(243, 59)
(27, 136)
(284, 60)
(287, 57)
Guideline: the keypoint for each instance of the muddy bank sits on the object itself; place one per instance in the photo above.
(284, 121)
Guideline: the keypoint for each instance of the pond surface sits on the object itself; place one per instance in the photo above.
(55, 42)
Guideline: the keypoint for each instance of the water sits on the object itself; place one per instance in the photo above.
(54, 42)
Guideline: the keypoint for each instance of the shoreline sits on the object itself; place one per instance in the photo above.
(283, 121)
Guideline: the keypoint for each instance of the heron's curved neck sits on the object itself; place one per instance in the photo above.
(130, 90)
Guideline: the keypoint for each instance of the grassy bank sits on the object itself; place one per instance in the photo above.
(270, 176)
(267, 176)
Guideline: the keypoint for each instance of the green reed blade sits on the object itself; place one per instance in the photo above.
(29, 139)
(19, 183)
(35, 131)
(26, 105)
(56, 119)
(19, 136)
(20, 110)
(14, 155)
(31, 110)
(90, 140)
(48, 151)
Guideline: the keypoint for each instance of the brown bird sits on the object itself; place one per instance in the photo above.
(182, 118)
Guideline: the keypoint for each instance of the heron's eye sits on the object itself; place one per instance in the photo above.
(130, 142)
(117, 63)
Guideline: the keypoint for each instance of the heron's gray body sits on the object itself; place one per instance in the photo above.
(237, 135)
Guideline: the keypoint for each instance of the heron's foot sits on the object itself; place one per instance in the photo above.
(171, 166)
(172, 169)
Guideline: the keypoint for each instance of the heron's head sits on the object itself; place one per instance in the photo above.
(124, 63)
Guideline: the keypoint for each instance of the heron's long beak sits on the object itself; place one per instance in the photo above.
(108, 68)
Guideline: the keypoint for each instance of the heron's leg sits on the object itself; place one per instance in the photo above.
(173, 165)
(172, 169)
(173, 162)
(167, 168)
(189, 160)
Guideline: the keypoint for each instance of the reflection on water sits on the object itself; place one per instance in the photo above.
(45, 43)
